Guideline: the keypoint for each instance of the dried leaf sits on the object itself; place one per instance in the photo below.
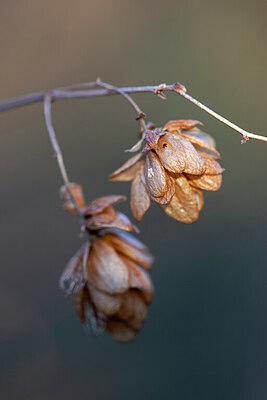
(140, 200)
(133, 310)
(181, 125)
(212, 167)
(120, 331)
(120, 221)
(104, 217)
(105, 269)
(179, 155)
(94, 319)
(77, 193)
(129, 169)
(155, 176)
(183, 206)
(199, 198)
(72, 278)
(206, 182)
(201, 144)
(98, 205)
(105, 303)
(139, 279)
(130, 247)
(169, 193)
(194, 163)
(171, 153)
(203, 136)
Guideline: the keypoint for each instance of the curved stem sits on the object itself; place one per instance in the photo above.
(140, 114)
(57, 150)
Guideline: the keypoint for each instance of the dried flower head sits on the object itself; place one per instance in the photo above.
(177, 162)
(108, 276)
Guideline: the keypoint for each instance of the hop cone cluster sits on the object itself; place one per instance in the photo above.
(108, 277)
(176, 164)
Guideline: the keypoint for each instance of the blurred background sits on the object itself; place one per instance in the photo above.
(205, 337)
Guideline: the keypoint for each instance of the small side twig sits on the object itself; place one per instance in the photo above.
(140, 114)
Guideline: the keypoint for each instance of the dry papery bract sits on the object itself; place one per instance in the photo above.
(108, 277)
(178, 162)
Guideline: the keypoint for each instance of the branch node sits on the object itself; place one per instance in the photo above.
(159, 91)
(140, 116)
(244, 139)
(178, 87)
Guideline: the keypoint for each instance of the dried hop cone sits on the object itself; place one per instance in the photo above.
(108, 277)
(177, 162)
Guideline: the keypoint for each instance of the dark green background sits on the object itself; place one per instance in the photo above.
(205, 337)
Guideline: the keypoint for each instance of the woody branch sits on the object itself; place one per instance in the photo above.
(86, 90)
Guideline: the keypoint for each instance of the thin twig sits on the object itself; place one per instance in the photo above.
(82, 91)
(245, 135)
(140, 114)
(57, 150)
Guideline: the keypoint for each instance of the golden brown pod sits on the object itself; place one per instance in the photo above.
(107, 277)
(177, 163)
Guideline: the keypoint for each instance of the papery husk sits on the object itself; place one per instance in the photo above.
(77, 194)
(105, 269)
(97, 206)
(168, 194)
(106, 303)
(120, 331)
(212, 167)
(140, 200)
(175, 152)
(133, 310)
(104, 217)
(139, 279)
(129, 169)
(171, 153)
(72, 278)
(199, 198)
(206, 182)
(193, 162)
(184, 206)
(197, 134)
(110, 219)
(155, 176)
(181, 125)
(129, 247)
(159, 184)
(201, 144)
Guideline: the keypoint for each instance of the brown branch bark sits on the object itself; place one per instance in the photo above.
(86, 90)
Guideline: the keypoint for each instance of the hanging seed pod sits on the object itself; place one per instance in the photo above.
(177, 163)
(107, 277)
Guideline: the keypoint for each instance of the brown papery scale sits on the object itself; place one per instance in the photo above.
(178, 162)
(107, 277)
